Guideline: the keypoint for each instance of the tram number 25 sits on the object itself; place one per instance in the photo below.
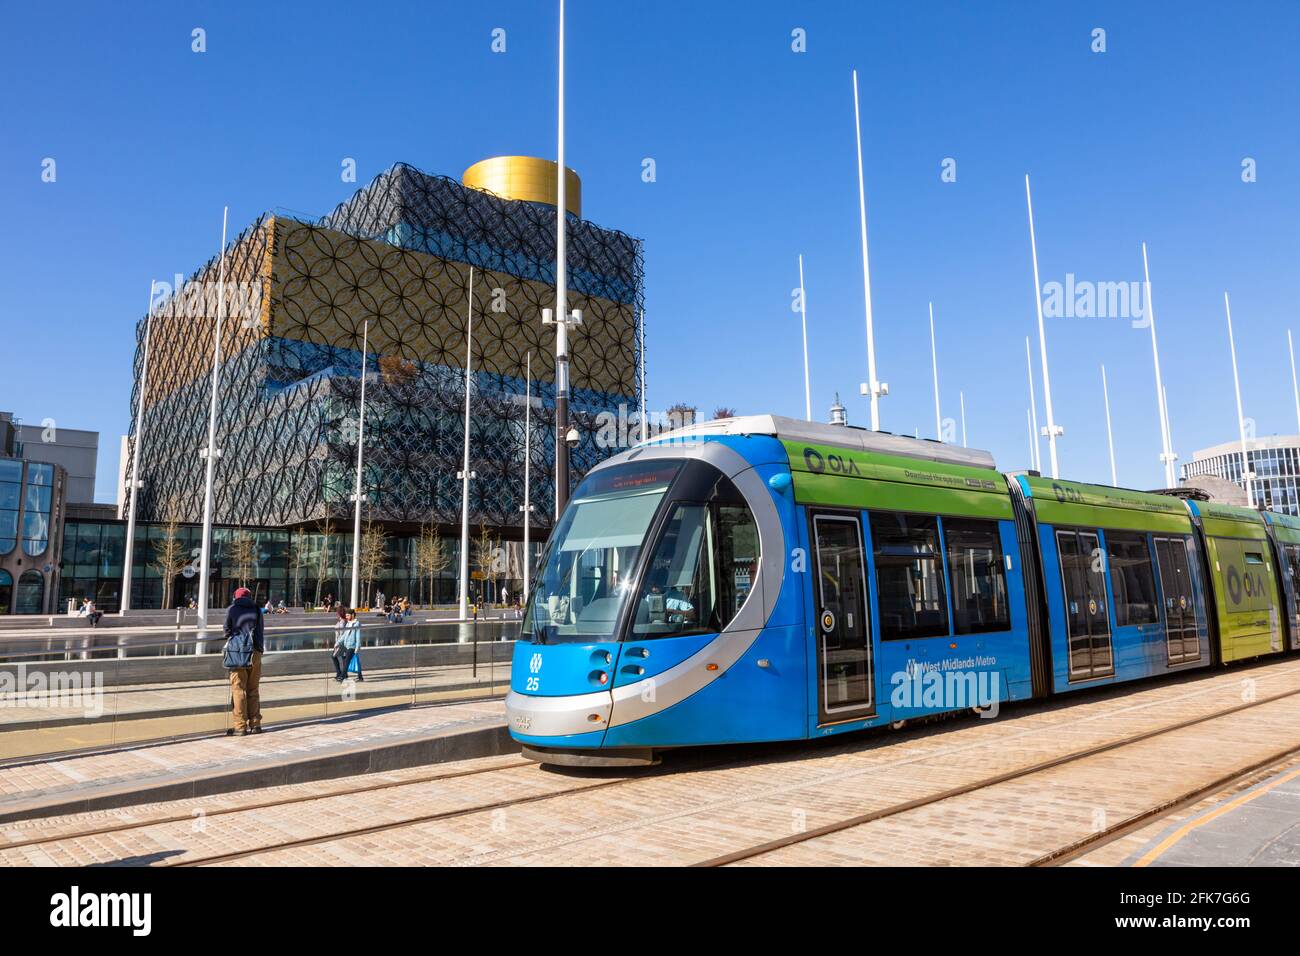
(532, 683)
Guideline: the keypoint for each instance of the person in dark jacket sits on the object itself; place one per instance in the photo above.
(244, 681)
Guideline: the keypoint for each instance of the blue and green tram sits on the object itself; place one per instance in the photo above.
(762, 578)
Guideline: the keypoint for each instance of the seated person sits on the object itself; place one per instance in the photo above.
(665, 604)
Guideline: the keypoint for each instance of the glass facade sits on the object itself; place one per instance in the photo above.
(299, 567)
(11, 481)
(1276, 485)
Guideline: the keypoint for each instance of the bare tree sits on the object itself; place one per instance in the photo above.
(323, 559)
(487, 558)
(431, 556)
(169, 554)
(244, 556)
(722, 411)
(374, 555)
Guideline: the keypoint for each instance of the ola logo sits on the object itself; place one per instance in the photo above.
(814, 461)
(1234, 585)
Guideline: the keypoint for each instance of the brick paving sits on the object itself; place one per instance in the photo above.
(703, 811)
(71, 776)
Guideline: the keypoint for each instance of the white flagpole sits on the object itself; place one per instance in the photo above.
(528, 458)
(803, 313)
(962, 397)
(871, 387)
(128, 555)
(1110, 443)
(464, 476)
(1053, 430)
(361, 445)
(1167, 455)
(644, 425)
(1241, 421)
(211, 452)
(934, 368)
(1029, 423)
(1035, 451)
(1294, 388)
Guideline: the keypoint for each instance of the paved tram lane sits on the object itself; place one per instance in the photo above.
(930, 791)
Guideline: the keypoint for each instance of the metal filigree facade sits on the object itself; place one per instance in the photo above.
(397, 256)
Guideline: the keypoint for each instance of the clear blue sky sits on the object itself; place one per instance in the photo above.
(753, 145)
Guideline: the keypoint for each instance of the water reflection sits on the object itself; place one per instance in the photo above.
(126, 643)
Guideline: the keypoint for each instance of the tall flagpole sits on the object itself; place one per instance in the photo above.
(1294, 388)
(128, 556)
(934, 368)
(1241, 421)
(528, 459)
(211, 452)
(361, 445)
(462, 601)
(1053, 430)
(644, 425)
(1035, 451)
(962, 397)
(870, 387)
(1110, 443)
(1167, 455)
(562, 320)
(1029, 423)
(803, 313)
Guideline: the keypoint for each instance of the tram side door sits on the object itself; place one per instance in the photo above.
(1182, 642)
(1291, 568)
(1087, 620)
(844, 665)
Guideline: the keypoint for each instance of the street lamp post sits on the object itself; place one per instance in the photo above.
(934, 369)
(211, 453)
(564, 435)
(1167, 456)
(1051, 429)
(361, 445)
(1110, 441)
(875, 389)
(462, 601)
(527, 508)
(803, 317)
(1246, 474)
(128, 556)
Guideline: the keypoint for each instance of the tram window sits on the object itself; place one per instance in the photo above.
(703, 567)
(1132, 579)
(909, 580)
(975, 568)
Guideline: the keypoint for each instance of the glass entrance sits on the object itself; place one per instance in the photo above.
(844, 636)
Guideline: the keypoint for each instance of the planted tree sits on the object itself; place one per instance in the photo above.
(170, 556)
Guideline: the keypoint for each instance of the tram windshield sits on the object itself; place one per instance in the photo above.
(588, 568)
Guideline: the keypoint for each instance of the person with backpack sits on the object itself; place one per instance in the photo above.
(243, 658)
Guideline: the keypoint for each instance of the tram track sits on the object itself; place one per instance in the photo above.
(1071, 850)
(374, 787)
(793, 750)
(768, 846)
